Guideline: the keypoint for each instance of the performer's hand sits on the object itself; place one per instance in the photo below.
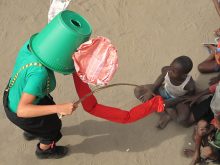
(66, 109)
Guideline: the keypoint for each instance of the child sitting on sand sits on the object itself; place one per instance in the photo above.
(173, 83)
(207, 142)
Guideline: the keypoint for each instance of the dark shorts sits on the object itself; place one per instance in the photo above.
(164, 94)
(47, 128)
(202, 110)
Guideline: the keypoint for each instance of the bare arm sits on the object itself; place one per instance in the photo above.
(27, 109)
(195, 98)
(196, 156)
(203, 93)
(154, 87)
(159, 81)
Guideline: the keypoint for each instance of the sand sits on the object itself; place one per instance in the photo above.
(148, 35)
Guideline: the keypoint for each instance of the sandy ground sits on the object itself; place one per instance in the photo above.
(148, 35)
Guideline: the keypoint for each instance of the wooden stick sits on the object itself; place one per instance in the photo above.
(100, 89)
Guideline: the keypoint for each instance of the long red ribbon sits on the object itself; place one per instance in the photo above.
(91, 106)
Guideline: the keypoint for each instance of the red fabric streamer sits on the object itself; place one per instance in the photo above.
(117, 115)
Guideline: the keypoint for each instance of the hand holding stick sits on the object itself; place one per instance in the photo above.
(100, 89)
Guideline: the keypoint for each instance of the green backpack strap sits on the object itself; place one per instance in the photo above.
(33, 64)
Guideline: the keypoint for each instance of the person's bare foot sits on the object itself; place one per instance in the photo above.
(188, 152)
(164, 120)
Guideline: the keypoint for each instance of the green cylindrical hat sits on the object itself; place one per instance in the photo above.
(57, 42)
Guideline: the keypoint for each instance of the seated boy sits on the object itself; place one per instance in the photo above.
(173, 83)
(207, 142)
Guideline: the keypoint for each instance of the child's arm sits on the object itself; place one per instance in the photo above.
(153, 89)
(196, 156)
(195, 98)
(159, 81)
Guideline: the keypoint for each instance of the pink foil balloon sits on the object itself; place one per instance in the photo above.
(96, 61)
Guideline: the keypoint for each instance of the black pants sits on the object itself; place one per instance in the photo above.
(47, 128)
(203, 111)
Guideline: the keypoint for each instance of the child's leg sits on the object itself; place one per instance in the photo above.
(164, 119)
(189, 121)
(208, 66)
(183, 113)
(180, 114)
(143, 92)
(172, 113)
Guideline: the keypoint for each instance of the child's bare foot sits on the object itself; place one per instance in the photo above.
(217, 32)
(188, 152)
(164, 120)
